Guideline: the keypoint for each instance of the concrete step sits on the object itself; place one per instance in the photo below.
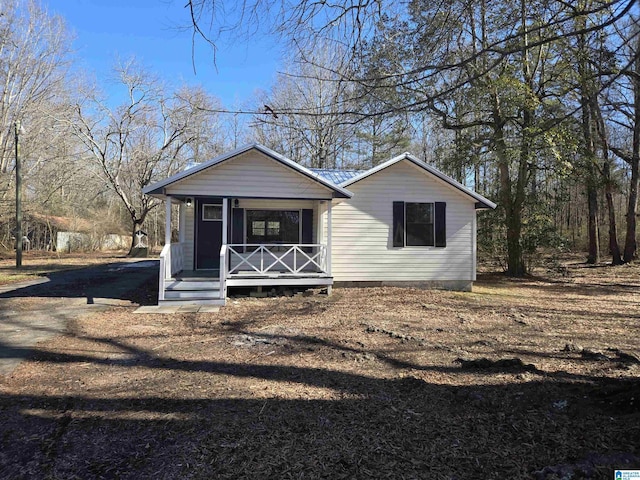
(191, 294)
(172, 284)
(192, 301)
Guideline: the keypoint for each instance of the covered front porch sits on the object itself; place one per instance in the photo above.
(243, 242)
(248, 218)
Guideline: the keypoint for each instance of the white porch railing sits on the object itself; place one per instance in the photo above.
(171, 262)
(223, 271)
(267, 259)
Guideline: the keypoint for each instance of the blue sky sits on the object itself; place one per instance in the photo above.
(148, 30)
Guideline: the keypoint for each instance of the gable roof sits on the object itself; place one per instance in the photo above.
(336, 175)
(338, 191)
(481, 202)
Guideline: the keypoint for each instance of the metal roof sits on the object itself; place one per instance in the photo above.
(336, 175)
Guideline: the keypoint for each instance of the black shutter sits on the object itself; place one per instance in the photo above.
(441, 224)
(398, 224)
(237, 225)
(307, 225)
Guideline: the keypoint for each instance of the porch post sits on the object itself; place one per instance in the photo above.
(329, 238)
(181, 220)
(319, 231)
(222, 267)
(225, 214)
(167, 222)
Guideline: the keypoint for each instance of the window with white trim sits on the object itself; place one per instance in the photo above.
(211, 212)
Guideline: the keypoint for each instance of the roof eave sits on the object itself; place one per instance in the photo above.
(434, 171)
(152, 191)
(485, 205)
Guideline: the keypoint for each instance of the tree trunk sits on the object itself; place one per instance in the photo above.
(630, 245)
(512, 208)
(136, 224)
(586, 94)
(593, 255)
(515, 258)
(614, 247)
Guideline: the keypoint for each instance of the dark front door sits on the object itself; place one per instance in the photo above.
(208, 233)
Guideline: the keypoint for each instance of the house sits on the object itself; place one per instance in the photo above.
(253, 218)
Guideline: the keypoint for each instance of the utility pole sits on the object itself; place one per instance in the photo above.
(18, 128)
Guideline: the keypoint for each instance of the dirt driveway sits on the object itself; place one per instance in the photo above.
(33, 311)
(521, 379)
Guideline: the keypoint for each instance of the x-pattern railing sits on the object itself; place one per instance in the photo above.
(293, 258)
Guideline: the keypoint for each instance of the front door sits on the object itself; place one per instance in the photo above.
(208, 233)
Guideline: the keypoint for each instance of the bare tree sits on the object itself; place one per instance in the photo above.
(150, 136)
(303, 115)
(34, 57)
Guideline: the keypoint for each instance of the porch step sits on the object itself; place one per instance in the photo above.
(195, 285)
(192, 291)
(191, 294)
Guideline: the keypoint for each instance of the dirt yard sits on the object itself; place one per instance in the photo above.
(533, 378)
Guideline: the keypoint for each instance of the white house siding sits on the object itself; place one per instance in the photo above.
(362, 247)
(251, 174)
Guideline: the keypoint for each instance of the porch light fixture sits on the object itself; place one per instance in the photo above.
(236, 203)
(188, 201)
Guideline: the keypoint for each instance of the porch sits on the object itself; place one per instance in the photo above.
(242, 264)
(249, 217)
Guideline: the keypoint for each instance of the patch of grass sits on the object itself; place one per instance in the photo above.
(38, 264)
(8, 277)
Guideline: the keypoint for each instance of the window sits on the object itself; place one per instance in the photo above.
(211, 212)
(419, 224)
(273, 226)
(257, 229)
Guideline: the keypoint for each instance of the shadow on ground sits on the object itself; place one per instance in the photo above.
(368, 427)
(129, 281)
